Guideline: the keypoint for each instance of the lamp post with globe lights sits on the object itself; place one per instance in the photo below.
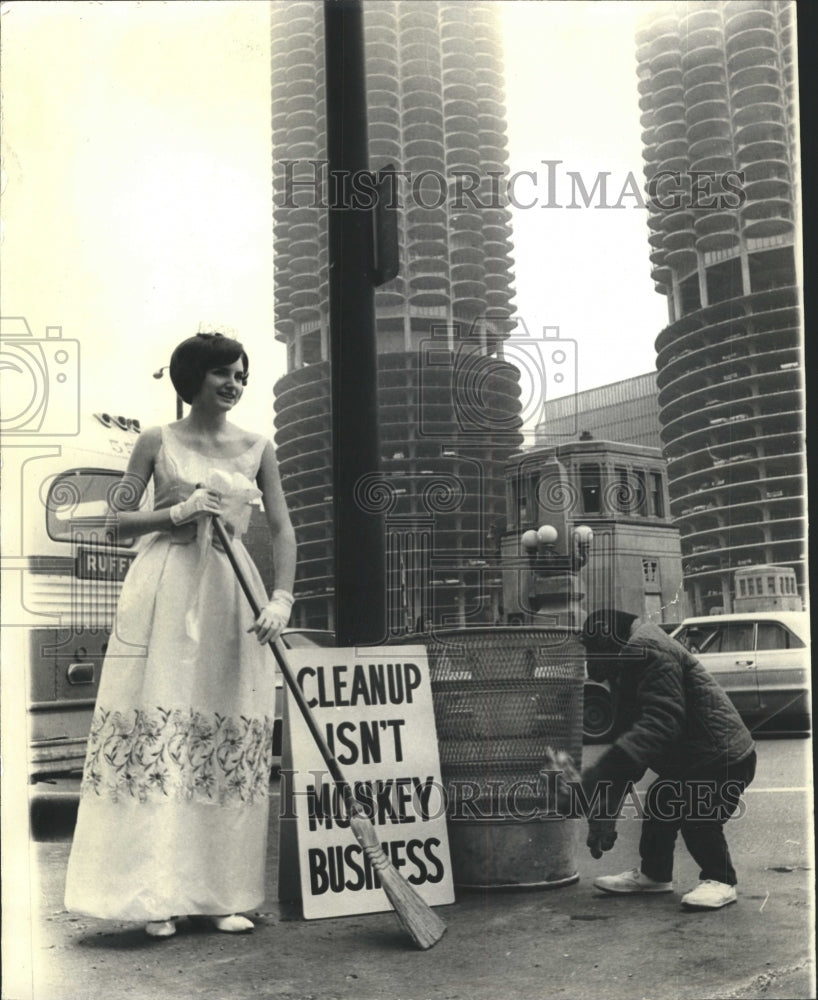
(543, 558)
(554, 560)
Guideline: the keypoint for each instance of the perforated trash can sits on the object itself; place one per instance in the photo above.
(501, 696)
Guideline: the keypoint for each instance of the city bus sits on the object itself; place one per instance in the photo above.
(62, 579)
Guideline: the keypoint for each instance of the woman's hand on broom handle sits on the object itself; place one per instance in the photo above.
(201, 503)
(273, 617)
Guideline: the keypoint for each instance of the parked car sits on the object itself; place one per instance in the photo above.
(762, 660)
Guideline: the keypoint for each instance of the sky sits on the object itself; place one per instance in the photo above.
(137, 197)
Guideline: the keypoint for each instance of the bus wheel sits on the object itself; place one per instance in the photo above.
(597, 714)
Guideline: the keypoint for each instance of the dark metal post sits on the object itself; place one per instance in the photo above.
(179, 402)
(360, 580)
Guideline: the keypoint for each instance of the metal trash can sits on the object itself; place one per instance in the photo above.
(501, 696)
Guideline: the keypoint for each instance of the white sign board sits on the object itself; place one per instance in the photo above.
(373, 706)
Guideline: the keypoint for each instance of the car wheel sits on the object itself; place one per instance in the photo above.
(597, 714)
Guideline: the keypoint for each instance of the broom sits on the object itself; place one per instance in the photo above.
(416, 916)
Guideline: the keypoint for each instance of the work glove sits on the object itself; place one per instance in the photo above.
(601, 836)
(273, 617)
(201, 503)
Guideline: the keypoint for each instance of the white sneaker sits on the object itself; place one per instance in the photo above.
(160, 928)
(630, 882)
(709, 895)
(233, 923)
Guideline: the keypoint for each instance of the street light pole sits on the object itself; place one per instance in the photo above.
(360, 576)
(179, 401)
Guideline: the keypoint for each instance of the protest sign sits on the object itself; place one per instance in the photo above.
(373, 706)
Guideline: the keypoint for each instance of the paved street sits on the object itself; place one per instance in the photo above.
(572, 942)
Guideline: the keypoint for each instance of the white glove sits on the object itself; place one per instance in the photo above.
(200, 503)
(273, 617)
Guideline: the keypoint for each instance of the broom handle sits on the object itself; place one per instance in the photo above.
(416, 916)
(298, 694)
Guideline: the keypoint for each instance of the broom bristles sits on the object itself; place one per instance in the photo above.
(416, 916)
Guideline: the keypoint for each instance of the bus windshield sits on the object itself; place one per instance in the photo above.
(78, 503)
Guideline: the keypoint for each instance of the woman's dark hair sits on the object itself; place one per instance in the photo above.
(198, 355)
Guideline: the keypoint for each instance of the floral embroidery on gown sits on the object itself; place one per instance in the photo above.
(174, 804)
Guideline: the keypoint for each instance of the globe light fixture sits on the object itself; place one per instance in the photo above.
(546, 534)
(530, 540)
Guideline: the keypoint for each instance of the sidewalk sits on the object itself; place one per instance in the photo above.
(572, 942)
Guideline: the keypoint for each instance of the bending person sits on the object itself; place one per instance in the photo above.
(681, 725)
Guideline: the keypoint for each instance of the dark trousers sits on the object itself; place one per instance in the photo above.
(698, 807)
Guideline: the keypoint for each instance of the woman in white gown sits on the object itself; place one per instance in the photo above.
(174, 804)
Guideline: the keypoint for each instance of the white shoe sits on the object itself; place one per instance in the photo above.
(160, 928)
(709, 895)
(233, 923)
(631, 882)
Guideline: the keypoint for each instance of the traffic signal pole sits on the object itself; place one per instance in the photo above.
(360, 577)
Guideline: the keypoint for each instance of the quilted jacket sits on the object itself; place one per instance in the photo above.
(681, 722)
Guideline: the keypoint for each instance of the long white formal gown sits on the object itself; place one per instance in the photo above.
(174, 805)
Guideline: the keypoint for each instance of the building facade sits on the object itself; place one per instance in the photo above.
(448, 401)
(718, 99)
(626, 411)
(619, 492)
(766, 588)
